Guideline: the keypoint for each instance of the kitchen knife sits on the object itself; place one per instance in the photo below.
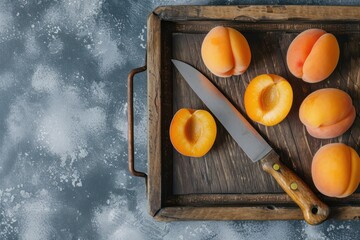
(251, 142)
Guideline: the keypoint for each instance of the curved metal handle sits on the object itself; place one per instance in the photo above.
(131, 124)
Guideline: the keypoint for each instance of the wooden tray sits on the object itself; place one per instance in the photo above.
(225, 184)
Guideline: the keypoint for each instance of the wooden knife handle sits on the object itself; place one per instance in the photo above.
(314, 210)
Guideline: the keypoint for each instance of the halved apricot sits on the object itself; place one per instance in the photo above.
(335, 170)
(193, 132)
(225, 52)
(268, 99)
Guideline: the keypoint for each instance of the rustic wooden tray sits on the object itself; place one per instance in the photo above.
(225, 184)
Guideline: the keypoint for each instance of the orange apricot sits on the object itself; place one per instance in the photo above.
(327, 113)
(225, 52)
(313, 55)
(268, 99)
(335, 170)
(193, 132)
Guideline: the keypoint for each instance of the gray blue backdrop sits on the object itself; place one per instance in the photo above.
(63, 127)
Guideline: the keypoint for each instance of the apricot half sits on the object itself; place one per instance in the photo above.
(335, 170)
(327, 113)
(313, 55)
(268, 99)
(192, 132)
(225, 52)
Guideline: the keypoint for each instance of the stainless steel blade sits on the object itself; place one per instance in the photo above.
(238, 127)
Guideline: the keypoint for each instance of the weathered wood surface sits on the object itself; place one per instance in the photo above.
(259, 13)
(226, 169)
(197, 200)
(248, 213)
(225, 175)
(154, 182)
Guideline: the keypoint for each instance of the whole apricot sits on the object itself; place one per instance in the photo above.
(225, 52)
(327, 113)
(268, 99)
(193, 132)
(335, 170)
(313, 55)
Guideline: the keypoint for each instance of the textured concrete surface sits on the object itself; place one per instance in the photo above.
(63, 142)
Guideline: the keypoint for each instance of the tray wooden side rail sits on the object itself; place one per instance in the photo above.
(224, 184)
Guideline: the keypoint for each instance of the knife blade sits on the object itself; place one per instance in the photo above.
(253, 144)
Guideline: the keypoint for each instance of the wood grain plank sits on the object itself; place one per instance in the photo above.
(229, 213)
(203, 26)
(259, 13)
(154, 185)
(263, 213)
(198, 200)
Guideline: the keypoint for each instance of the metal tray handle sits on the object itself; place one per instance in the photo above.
(131, 124)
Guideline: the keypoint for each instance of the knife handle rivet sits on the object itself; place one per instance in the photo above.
(276, 167)
(293, 186)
